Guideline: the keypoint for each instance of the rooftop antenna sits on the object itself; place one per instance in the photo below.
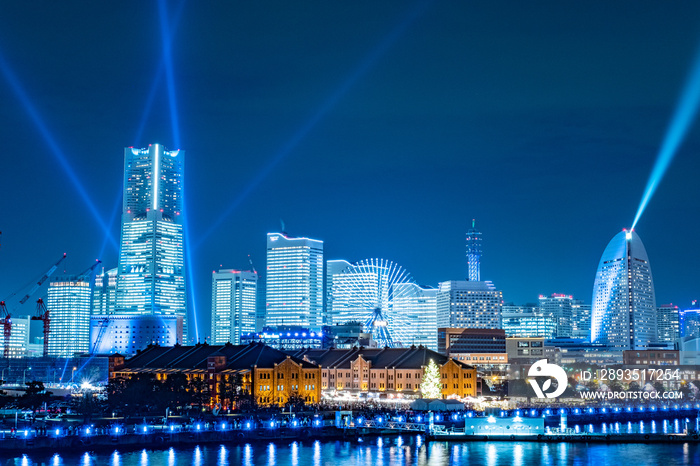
(474, 253)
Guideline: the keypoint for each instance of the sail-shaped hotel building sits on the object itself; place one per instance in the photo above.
(624, 306)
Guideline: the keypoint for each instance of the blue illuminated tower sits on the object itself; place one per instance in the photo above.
(294, 282)
(68, 301)
(474, 253)
(233, 305)
(151, 271)
(623, 315)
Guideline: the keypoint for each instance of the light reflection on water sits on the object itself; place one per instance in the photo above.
(398, 451)
(295, 453)
(247, 455)
(223, 456)
(317, 453)
(518, 455)
(675, 426)
(197, 456)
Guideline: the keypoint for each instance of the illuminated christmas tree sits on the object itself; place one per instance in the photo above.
(431, 386)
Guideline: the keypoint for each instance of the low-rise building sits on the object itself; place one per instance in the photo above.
(26, 338)
(271, 376)
(523, 352)
(348, 335)
(388, 371)
(288, 338)
(689, 353)
(471, 340)
(127, 334)
(650, 357)
(529, 350)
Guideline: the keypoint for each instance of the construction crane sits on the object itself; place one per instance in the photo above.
(87, 273)
(251, 264)
(42, 313)
(42, 280)
(104, 323)
(5, 318)
(6, 323)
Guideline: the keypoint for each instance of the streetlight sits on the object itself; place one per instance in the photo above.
(24, 375)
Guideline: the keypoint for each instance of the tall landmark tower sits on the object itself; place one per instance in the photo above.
(474, 253)
(624, 306)
(151, 271)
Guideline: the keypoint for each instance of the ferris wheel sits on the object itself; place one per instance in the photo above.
(365, 292)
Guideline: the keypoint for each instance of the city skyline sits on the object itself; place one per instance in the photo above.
(363, 150)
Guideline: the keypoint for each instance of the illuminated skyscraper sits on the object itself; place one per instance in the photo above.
(558, 307)
(104, 293)
(474, 253)
(333, 268)
(294, 282)
(151, 271)
(233, 305)
(624, 306)
(68, 303)
(689, 322)
(667, 323)
(467, 304)
(580, 319)
(418, 306)
(528, 325)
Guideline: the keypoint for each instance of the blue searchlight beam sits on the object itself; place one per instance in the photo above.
(686, 111)
(332, 100)
(148, 105)
(55, 149)
(167, 35)
(167, 38)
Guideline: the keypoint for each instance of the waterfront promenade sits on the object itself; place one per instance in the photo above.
(357, 424)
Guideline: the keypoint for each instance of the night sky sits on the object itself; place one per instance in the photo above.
(381, 128)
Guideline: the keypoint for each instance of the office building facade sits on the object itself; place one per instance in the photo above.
(667, 323)
(465, 304)
(689, 323)
(558, 307)
(418, 307)
(528, 324)
(104, 293)
(233, 305)
(294, 282)
(471, 340)
(333, 268)
(26, 339)
(580, 319)
(69, 304)
(128, 334)
(529, 308)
